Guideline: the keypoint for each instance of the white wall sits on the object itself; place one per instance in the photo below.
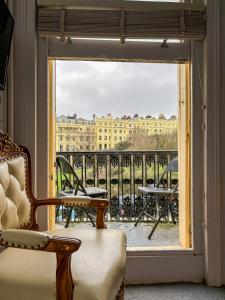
(222, 133)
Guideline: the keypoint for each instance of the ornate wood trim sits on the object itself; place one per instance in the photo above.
(7, 147)
(99, 204)
(121, 293)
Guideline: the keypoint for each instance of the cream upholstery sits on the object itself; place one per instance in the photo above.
(24, 238)
(76, 200)
(14, 204)
(98, 268)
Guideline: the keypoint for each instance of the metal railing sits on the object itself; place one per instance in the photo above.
(120, 173)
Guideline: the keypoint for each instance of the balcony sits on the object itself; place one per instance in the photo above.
(121, 173)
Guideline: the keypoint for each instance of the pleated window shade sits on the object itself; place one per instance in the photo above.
(97, 23)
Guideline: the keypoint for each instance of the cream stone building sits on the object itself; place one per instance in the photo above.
(104, 133)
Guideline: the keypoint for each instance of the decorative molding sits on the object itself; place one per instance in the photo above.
(7, 147)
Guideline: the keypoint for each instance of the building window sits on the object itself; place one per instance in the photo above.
(100, 130)
(100, 138)
(105, 138)
(100, 146)
(105, 146)
(105, 130)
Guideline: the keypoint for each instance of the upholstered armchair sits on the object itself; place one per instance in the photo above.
(62, 264)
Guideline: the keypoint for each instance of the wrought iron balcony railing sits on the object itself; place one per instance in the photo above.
(120, 173)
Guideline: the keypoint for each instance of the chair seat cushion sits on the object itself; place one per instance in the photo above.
(97, 267)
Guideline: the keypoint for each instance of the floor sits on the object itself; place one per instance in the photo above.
(174, 292)
(166, 234)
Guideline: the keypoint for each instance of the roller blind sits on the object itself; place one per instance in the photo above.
(170, 22)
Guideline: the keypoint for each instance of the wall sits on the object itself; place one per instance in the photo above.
(213, 126)
(222, 134)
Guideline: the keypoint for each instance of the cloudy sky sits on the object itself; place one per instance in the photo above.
(118, 88)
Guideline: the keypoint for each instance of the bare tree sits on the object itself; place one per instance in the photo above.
(139, 139)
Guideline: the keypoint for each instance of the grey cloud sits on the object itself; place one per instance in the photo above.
(86, 88)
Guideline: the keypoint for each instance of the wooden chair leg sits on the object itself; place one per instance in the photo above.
(121, 292)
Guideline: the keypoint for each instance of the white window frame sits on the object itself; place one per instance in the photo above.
(141, 262)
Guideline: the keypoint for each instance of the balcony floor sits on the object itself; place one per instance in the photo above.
(166, 234)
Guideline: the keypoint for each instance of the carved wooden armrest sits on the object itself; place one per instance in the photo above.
(63, 247)
(84, 201)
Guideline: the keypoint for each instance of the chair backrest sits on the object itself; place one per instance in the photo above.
(170, 168)
(15, 179)
(71, 180)
(173, 165)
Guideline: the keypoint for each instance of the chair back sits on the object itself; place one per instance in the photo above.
(71, 180)
(15, 185)
(172, 166)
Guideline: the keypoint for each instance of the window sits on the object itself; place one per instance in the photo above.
(121, 138)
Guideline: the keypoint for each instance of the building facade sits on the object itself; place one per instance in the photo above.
(105, 133)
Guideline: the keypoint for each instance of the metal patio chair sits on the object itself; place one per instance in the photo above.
(161, 193)
(72, 185)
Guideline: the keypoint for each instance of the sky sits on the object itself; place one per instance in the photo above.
(119, 88)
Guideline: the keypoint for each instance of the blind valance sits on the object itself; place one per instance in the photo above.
(164, 23)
